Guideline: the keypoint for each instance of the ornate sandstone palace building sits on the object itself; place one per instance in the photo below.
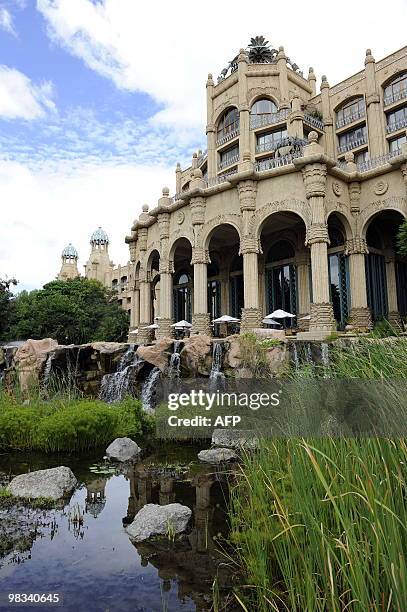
(295, 204)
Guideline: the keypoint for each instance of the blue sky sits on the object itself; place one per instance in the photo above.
(100, 99)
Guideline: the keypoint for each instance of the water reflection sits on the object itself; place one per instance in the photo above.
(92, 561)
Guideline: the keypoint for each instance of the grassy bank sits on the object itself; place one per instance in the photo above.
(322, 524)
(67, 424)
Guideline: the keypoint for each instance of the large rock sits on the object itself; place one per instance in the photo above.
(30, 359)
(123, 449)
(196, 355)
(157, 354)
(54, 483)
(234, 438)
(217, 455)
(233, 357)
(278, 358)
(153, 519)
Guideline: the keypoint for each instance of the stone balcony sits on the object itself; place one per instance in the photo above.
(352, 144)
(394, 126)
(340, 123)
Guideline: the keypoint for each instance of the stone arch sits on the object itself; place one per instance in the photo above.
(151, 258)
(344, 101)
(300, 208)
(389, 79)
(173, 245)
(232, 219)
(395, 203)
(262, 95)
(229, 104)
(255, 93)
(347, 223)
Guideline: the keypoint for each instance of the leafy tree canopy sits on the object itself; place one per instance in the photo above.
(5, 303)
(402, 239)
(73, 312)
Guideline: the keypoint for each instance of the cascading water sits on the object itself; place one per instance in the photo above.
(174, 371)
(216, 375)
(149, 389)
(325, 357)
(114, 387)
(308, 352)
(47, 369)
(296, 357)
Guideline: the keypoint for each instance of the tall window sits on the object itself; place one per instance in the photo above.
(228, 124)
(268, 141)
(281, 282)
(351, 111)
(397, 119)
(229, 157)
(396, 90)
(263, 107)
(182, 297)
(395, 144)
(353, 138)
(338, 276)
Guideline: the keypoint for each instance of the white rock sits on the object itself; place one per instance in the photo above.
(153, 519)
(217, 455)
(123, 449)
(53, 483)
(234, 438)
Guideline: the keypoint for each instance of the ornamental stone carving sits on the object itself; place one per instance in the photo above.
(247, 191)
(142, 241)
(180, 217)
(302, 209)
(337, 188)
(197, 206)
(314, 176)
(317, 232)
(354, 196)
(200, 256)
(166, 266)
(356, 246)
(250, 245)
(164, 225)
(381, 187)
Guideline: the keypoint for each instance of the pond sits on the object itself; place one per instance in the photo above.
(83, 553)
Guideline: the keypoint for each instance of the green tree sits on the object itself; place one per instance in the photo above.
(6, 304)
(73, 311)
(402, 239)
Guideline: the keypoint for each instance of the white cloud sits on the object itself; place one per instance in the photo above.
(6, 21)
(167, 49)
(44, 211)
(20, 98)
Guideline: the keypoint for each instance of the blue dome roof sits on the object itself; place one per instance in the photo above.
(99, 236)
(70, 251)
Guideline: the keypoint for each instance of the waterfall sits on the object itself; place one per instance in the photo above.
(296, 358)
(174, 371)
(325, 357)
(114, 387)
(47, 369)
(308, 352)
(216, 374)
(149, 389)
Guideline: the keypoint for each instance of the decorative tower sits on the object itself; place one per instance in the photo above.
(99, 266)
(69, 267)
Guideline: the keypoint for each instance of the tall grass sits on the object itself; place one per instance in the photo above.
(65, 424)
(321, 524)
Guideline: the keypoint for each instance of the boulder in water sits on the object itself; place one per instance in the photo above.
(196, 356)
(123, 449)
(53, 483)
(217, 455)
(157, 354)
(234, 438)
(153, 519)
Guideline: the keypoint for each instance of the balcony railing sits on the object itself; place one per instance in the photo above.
(395, 97)
(352, 144)
(376, 162)
(276, 162)
(233, 159)
(218, 180)
(313, 122)
(271, 145)
(202, 158)
(361, 114)
(258, 121)
(396, 125)
(228, 136)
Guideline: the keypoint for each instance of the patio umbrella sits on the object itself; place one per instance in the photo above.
(270, 322)
(226, 319)
(280, 314)
(182, 325)
(152, 326)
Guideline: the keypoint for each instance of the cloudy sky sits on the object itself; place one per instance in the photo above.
(99, 99)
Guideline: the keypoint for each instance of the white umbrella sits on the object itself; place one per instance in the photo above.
(306, 318)
(271, 322)
(226, 319)
(280, 314)
(153, 326)
(181, 325)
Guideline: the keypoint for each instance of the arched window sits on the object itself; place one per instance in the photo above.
(228, 124)
(336, 237)
(396, 89)
(373, 238)
(263, 107)
(350, 111)
(281, 282)
(182, 298)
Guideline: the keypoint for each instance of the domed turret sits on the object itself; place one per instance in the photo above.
(99, 236)
(70, 252)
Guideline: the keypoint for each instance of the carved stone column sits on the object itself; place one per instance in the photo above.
(322, 321)
(377, 141)
(302, 262)
(393, 314)
(144, 335)
(200, 259)
(360, 315)
(165, 321)
(251, 313)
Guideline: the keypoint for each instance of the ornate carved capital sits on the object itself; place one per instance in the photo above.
(373, 98)
(164, 225)
(142, 233)
(200, 256)
(197, 206)
(249, 245)
(356, 246)
(317, 232)
(247, 191)
(314, 177)
(166, 266)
